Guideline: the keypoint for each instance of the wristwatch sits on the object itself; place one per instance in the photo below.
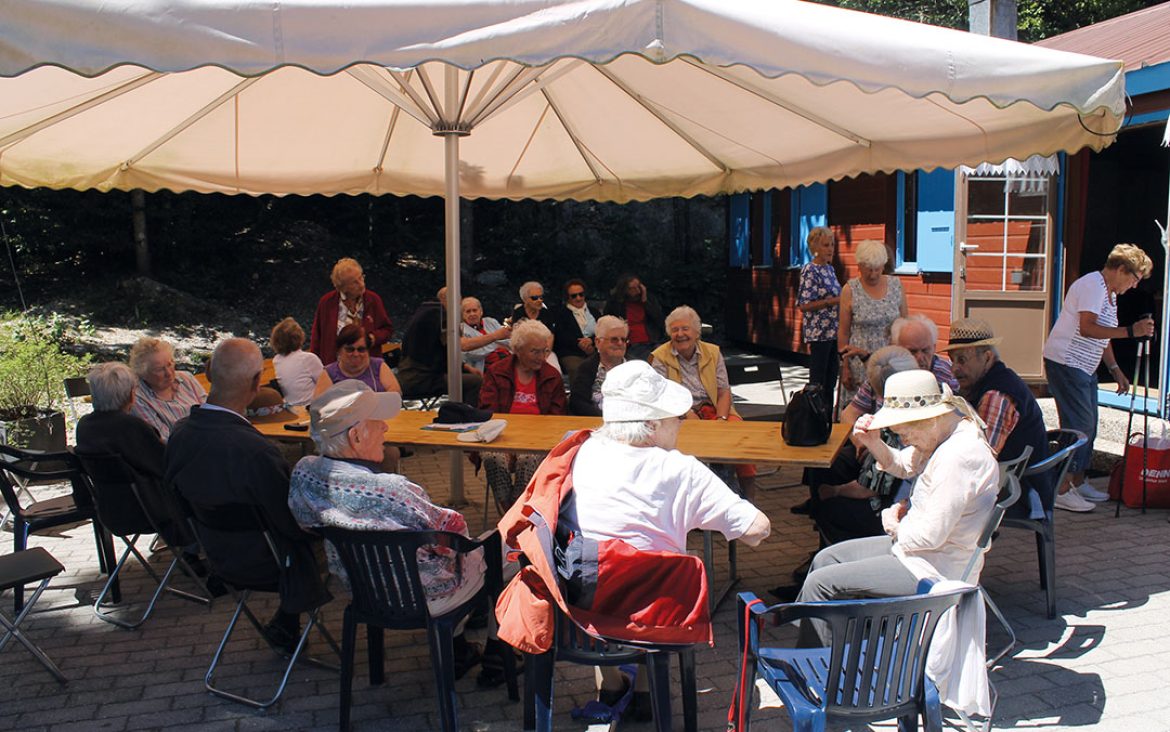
(722, 418)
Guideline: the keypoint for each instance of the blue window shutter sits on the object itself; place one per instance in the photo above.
(810, 209)
(936, 221)
(740, 229)
(766, 234)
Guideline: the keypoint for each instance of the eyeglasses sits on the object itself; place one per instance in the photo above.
(614, 339)
(575, 295)
(355, 349)
(539, 351)
(536, 297)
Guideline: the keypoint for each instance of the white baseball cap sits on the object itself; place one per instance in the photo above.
(348, 403)
(635, 392)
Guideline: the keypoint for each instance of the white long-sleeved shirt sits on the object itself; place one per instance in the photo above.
(952, 498)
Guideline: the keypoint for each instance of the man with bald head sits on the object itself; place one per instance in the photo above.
(216, 457)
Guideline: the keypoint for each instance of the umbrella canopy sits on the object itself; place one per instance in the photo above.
(614, 100)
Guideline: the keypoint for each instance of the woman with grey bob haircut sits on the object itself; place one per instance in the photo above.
(111, 386)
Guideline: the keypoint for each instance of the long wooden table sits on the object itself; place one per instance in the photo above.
(711, 441)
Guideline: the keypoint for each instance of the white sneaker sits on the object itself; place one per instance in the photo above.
(1090, 493)
(1072, 501)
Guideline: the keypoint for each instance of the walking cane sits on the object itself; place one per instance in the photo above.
(1141, 370)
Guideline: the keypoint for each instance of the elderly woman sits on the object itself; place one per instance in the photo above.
(585, 395)
(869, 306)
(355, 362)
(345, 486)
(482, 337)
(523, 383)
(1075, 348)
(164, 395)
(934, 533)
(112, 428)
(817, 298)
(630, 301)
(349, 303)
(297, 371)
(576, 324)
(700, 367)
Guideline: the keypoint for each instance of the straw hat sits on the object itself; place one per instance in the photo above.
(912, 396)
(970, 332)
(635, 392)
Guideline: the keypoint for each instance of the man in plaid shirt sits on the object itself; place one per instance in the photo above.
(1005, 404)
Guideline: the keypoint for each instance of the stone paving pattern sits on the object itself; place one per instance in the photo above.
(1102, 664)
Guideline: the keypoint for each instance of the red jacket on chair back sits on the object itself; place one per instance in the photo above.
(617, 591)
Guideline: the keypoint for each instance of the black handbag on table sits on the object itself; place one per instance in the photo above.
(807, 421)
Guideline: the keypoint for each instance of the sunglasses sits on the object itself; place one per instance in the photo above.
(355, 349)
(536, 297)
(575, 295)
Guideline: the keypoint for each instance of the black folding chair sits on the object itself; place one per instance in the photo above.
(124, 512)
(40, 516)
(387, 592)
(241, 519)
(17, 570)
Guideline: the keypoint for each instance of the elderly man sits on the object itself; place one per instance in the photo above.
(482, 338)
(700, 368)
(349, 302)
(345, 486)
(216, 457)
(917, 334)
(1006, 405)
(423, 371)
(611, 336)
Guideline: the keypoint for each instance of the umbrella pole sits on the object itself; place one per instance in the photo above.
(454, 296)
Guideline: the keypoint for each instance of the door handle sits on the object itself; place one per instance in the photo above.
(965, 247)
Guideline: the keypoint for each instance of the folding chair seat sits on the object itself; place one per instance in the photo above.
(125, 514)
(387, 593)
(874, 670)
(242, 518)
(76, 387)
(571, 643)
(17, 570)
(1062, 445)
(40, 516)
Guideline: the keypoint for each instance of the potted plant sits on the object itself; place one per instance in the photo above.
(32, 372)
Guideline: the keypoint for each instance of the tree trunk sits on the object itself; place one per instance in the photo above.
(141, 245)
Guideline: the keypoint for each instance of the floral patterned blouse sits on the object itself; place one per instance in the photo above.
(817, 282)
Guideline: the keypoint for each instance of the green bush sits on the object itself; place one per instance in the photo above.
(32, 365)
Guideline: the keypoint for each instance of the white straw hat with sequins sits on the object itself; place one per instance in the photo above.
(916, 395)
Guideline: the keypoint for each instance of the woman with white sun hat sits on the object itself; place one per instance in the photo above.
(932, 534)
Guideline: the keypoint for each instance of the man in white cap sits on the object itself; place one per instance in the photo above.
(935, 533)
(346, 487)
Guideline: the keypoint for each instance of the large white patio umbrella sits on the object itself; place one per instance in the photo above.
(614, 100)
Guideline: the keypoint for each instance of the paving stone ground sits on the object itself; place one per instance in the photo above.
(1102, 664)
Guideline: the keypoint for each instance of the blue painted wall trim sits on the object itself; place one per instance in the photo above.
(1149, 79)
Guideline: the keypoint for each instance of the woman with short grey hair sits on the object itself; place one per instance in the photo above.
(111, 386)
(164, 394)
(870, 304)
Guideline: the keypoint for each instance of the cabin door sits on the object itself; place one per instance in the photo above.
(1003, 262)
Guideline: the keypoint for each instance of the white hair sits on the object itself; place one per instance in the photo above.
(900, 324)
(685, 312)
(527, 287)
(111, 386)
(529, 331)
(635, 434)
(607, 323)
(872, 253)
(331, 446)
(884, 363)
(143, 349)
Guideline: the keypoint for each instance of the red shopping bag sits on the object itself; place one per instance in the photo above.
(1148, 459)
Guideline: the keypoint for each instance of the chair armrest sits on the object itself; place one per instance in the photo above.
(493, 561)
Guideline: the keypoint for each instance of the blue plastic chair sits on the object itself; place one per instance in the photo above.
(571, 643)
(874, 670)
(386, 592)
(1062, 444)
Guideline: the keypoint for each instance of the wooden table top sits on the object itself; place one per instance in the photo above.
(710, 441)
(268, 373)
